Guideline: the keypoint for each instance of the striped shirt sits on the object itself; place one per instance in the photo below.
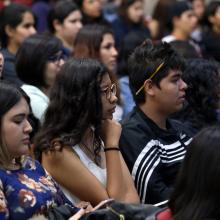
(153, 155)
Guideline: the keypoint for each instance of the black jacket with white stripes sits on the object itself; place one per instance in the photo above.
(153, 155)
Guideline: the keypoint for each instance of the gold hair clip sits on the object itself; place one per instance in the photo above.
(152, 75)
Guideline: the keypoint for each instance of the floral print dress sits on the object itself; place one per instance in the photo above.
(28, 191)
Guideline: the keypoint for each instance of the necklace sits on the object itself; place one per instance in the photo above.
(90, 147)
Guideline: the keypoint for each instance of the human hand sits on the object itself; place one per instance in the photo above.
(85, 205)
(111, 132)
(78, 215)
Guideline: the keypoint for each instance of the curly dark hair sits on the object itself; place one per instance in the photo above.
(75, 105)
(202, 93)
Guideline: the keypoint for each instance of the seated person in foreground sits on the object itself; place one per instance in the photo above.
(25, 188)
(78, 141)
(152, 145)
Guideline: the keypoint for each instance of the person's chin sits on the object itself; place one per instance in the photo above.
(25, 149)
(108, 116)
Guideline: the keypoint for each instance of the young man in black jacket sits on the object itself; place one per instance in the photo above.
(152, 145)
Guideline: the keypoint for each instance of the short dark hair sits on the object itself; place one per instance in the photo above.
(32, 57)
(60, 11)
(196, 193)
(75, 104)
(12, 16)
(176, 10)
(145, 60)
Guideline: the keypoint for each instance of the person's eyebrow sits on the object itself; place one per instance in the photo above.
(177, 75)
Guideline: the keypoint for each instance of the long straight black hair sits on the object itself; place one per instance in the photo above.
(197, 192)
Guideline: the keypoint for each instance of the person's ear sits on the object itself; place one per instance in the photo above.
(9, 31)
(149, 87)
(57, 25)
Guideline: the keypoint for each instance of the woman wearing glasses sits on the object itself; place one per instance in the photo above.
(78, 142)
(97, 42)
(37, 63)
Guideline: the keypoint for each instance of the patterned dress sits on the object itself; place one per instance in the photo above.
(28, 191)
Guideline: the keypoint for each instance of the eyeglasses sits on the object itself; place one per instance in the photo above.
(57, 57)
(110, 91)
(152, 75)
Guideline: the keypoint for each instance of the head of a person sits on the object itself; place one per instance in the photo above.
(203, 90)
(211, 17)
(182, 17)
(14, 125)
(161, 14)
(39, 60)
(129, 43)
(97, 41)
(84, 95)
(155, 72)
(1, 64)
(196, 193)
(90, 8)
(198, 8)
(16, 24)
(64, 19)
(185, 49)
(132, 10)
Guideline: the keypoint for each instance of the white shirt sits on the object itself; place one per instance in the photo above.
(98, 172)
(39, 101)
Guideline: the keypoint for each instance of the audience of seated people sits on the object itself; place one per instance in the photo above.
(173, 87)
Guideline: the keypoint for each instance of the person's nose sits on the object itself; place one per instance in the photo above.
(32, 30)
(27, 127)
(113, 99)
(183, 85)
(114, 52)
(79, 25)
(61, 62)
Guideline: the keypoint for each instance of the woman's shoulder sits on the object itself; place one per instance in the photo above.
(34, 92)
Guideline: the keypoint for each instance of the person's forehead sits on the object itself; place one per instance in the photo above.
(174, 72)
(187, 12)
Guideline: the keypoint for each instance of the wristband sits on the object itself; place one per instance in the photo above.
(111, 148)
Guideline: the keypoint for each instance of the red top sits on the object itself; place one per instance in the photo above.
(165, 215)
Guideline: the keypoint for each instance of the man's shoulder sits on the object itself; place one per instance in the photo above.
(136, 132)
(181, 127)
(134, 121)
